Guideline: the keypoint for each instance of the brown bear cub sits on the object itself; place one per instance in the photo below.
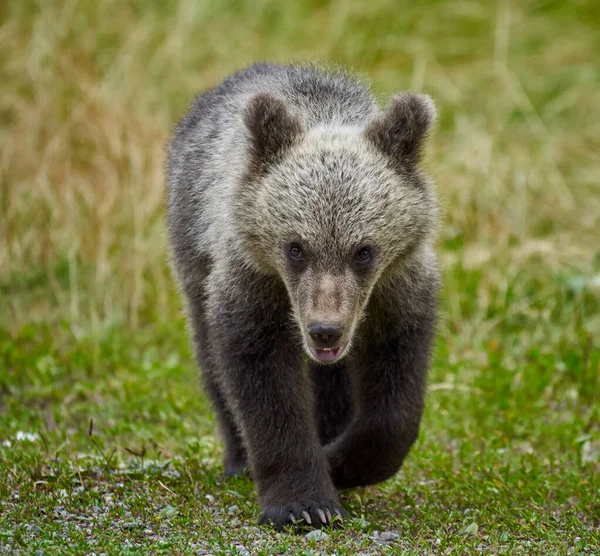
(301, 228)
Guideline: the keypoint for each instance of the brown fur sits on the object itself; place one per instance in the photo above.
(297, 208)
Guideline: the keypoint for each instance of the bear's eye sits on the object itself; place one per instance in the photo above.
(364, 255)
(295, 253)
(364, 258)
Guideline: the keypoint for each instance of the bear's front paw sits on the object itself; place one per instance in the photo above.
(314, 515)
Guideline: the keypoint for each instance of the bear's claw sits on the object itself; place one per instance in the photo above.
(302, 516)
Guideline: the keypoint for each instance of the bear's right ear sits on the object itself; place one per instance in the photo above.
(401, 131)
(272, 128)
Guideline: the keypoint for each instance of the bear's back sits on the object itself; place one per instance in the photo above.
(317, 96)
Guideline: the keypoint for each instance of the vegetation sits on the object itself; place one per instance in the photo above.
(107, 444)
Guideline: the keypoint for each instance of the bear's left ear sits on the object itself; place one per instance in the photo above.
(401, 131)
(272, 127)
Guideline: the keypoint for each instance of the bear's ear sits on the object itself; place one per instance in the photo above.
(401, 131)
(272, 128)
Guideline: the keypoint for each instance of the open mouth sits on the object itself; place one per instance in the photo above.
(327, 355)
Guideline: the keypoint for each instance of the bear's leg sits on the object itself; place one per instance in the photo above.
(234, 459)
(262, 374)
(333, 399)
(388, 370)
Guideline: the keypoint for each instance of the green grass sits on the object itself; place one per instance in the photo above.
(94, 356)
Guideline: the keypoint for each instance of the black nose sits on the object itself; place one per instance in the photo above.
(325, 334)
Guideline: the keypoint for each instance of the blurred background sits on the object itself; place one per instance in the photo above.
(90, 321)
(90, 91)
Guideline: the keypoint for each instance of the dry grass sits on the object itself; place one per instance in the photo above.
(89, 91)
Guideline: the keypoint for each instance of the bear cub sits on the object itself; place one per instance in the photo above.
(301, 227)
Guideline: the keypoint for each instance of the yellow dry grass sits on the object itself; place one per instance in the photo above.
(89, 91)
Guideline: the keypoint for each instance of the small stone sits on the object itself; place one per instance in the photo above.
(130, 525)
(385, 536)
(32, 528)
(316, 535)
(233, 509)
(210, 498)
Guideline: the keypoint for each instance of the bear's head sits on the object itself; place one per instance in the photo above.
(331, 210)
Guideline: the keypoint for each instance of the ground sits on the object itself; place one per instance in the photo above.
(107, 444)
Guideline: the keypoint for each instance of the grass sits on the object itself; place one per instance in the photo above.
(106, 441)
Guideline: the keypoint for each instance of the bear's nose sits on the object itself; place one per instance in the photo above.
(325, 334)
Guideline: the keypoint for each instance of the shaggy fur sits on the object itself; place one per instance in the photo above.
(294, 200)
